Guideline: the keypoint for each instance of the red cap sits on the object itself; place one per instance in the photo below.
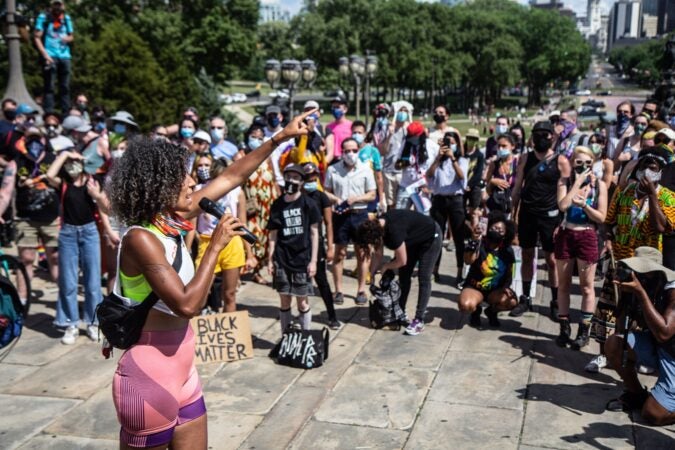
(415, 129)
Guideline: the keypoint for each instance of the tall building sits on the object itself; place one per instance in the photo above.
(650, 7)
(625, 21)
(666, 16)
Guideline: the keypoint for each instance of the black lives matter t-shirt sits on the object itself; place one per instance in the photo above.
(406, 226)
(293, 221)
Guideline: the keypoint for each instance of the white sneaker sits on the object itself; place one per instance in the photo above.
(70, 335)
(646, 370)
(92, 332)
(598, 363)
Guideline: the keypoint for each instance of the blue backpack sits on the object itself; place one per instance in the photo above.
(11, 312)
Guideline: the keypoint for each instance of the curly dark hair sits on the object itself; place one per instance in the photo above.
(509, 225)
(146, 180)
(369, 232)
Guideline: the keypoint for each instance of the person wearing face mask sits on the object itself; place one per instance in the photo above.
(623, 128)
(583, 201)
(51, 125)
(518, 133)
(8, 116)
(501, 127)
(535, 199)
(440, 117)
(568, 133)
(82, 105)
(603, 167)
(390, 149)
(294, 247)
(501, 175)
(121, 127)
(93, 146)
(197, 145)
(369, 154)
(237, 253)
(311, 189)
(79, 244)
(628, 147)
(417, 155)
(637, 216)
(220, 146)
(37, 204)
(351, 185)
(473, 192)
(447, 181)
(260, 190)
(338, 130)
(98, 120)
(490, 274)
(53, 37)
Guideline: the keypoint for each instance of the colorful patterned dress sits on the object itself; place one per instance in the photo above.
(632, 229)
(260, 191)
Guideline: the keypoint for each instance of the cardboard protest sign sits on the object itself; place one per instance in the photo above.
(222, 337)
(517, 280)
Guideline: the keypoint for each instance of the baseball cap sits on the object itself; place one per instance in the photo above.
(543, 125)
(202, 136)
(25, 109)
(339, 99)
(294, 168)
(311, 104)
(75, 123)
(272, 109)
(667, 132)
(124, 117)
(310, 168)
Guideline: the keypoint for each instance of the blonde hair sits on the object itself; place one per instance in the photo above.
(581, 149)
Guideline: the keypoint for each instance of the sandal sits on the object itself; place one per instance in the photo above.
(257, 278)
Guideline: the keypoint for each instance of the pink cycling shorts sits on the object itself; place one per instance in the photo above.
(156, 387)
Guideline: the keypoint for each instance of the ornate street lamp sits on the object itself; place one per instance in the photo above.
(357, 67)
(343, 66)
(272, 71)
(308, 72)
(16, 86)
(291, 71)
(371, 69)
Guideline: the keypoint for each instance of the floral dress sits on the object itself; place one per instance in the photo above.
(260, 191)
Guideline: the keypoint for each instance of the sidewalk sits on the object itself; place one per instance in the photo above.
(451, 386)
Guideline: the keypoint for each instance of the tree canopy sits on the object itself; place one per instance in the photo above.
(154, 57)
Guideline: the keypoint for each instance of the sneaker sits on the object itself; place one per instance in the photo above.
(338, 298)
(492, 317)
(70, 335)
(361, 299)
(92, 332)
(459, 282)
(334, 324)
(415, 327)
(598, 363)
(404, 321)
(474, 319)
(525, 304)
(645, 370)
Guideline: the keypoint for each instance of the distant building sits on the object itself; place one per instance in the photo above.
(625, 22)
(666, 16)
(271, 11)
(555, 5)
(650, 26)
(592, 27)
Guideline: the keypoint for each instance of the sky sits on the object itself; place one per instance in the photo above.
(579, 6)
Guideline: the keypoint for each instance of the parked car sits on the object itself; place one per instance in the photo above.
(594, 103)
(238, 97)
(279, 94)
(583, 92)
(224, 98)
(605, 93)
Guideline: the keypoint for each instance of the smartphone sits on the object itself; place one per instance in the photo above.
(482, 225)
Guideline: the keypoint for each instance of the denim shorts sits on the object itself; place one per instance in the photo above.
(649, 354)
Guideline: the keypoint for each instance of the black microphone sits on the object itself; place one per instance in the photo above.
(211, 207)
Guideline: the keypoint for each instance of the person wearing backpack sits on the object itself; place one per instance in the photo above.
(53, 37)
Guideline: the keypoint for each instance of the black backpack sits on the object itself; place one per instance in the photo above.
(385, 310)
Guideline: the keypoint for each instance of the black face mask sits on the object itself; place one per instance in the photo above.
(291, 188)
(494, 237)
(10, 114)
(438, 118)
(541, 143)
(580, 169)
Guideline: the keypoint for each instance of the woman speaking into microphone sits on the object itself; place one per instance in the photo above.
(156, 387)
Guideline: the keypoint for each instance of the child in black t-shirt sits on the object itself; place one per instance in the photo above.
(294, 243)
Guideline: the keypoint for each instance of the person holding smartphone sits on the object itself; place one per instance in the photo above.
(583, 201)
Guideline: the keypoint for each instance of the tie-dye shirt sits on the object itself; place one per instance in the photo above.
(492, 269)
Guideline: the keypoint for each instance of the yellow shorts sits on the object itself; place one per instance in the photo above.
(231, 257)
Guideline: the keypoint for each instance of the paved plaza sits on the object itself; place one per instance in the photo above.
(453, 386)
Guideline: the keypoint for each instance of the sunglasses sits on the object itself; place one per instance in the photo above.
(350, 151)
(579, 162)
(217, 128)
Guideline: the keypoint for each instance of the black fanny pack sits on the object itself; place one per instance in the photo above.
(121, 324)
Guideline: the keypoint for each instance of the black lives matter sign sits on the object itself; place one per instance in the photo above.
(222, 337)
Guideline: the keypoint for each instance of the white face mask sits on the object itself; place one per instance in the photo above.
(350, 158)
(116, 154)
(650, 175)
(74, 169)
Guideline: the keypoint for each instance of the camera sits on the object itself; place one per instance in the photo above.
(623, 273)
